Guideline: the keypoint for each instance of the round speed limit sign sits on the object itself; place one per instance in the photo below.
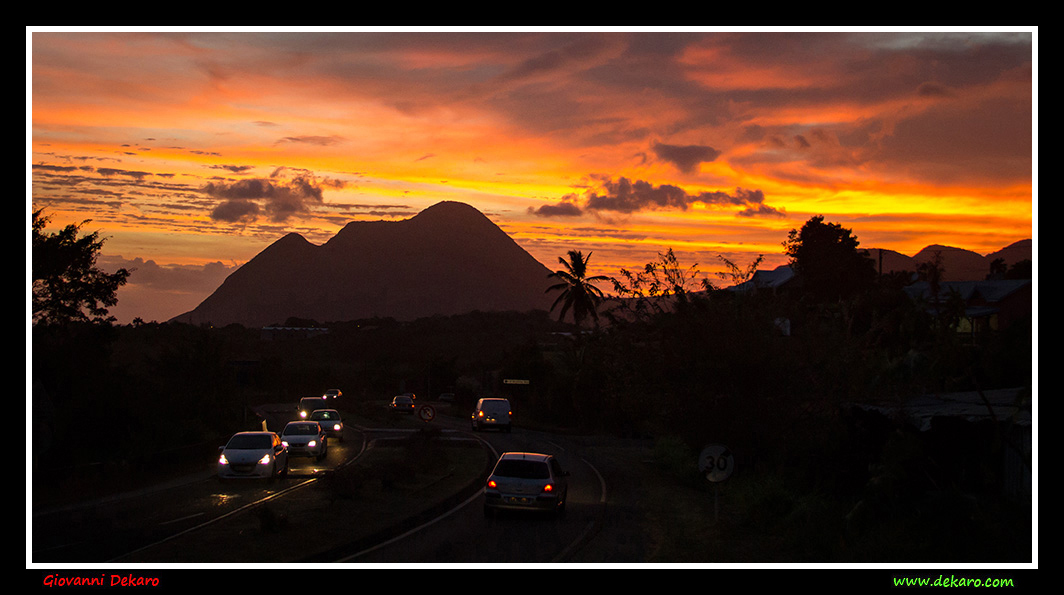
(426, 413)
(716, 462)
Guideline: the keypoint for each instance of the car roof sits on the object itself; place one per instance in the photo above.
(526, 456)
(301, 423)
(251, 433)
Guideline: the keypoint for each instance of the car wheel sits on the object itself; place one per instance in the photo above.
(284, 470)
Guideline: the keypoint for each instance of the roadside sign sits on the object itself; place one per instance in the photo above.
(514, 381)
(426, 413)
(716, 462)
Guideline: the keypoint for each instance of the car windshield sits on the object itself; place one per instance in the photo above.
(403, 400)
(522, 469)
(323, 415)
(301, 429)
(250, 442)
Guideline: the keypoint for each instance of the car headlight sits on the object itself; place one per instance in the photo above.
(222, 460)
(285, 443)
(312, 444)
(265, 460)
(337, 427)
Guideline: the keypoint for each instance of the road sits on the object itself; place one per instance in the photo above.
(190, 515)
(466, 535)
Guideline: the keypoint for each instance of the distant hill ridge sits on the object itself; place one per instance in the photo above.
(958, 264)
(448, 259)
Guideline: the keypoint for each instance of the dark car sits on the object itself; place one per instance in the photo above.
(307, 405)
(402, 404)
(527, 481)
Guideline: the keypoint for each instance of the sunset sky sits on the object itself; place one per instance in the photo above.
(192, 150)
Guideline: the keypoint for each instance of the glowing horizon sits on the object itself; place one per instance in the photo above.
(192, 151)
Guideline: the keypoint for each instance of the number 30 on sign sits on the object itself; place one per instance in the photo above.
(716, 462)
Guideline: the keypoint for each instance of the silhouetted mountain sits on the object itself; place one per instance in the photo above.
(958, 264)
(447, 259)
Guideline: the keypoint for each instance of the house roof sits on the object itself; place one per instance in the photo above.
(991, 291)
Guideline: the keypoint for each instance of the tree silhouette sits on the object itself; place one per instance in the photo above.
(67, 286)
(825, 257)
(578, 292)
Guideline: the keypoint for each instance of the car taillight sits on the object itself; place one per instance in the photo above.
(548, 488)
(492, 484)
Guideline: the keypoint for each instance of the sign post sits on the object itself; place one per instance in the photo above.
(717, 463)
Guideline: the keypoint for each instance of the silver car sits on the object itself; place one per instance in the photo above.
(305, 439)
(527, 481)
(253, 454)
(330, 422)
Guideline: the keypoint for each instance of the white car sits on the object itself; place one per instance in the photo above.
(330, 422)
(305, 439)
(492, 413)
(527, 481)
(253, 454)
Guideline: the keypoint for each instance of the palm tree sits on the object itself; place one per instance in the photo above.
(578, 290)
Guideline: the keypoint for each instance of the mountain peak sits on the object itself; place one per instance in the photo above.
(448, 259)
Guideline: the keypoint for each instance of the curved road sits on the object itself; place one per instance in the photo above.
(109, 530)
(465, 534)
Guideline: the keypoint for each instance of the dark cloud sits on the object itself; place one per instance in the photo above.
(627, 196)
(279, 199)
(322, 141)
(107, 172)
(562, 209)
(236, 169)
(685, 157)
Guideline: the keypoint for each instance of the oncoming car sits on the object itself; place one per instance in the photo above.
(527, 481)
(305, 439)
(307, 405)
(253, 454)
(492, 413)
(332, 393)
(330, 422)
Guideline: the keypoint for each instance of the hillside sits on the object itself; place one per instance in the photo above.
(448, 259)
